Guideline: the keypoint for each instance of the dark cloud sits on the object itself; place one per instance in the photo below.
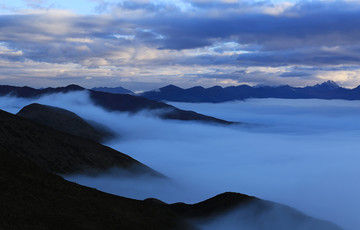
(302, 27)
(297, 26)
(311, 56)
(299, 35)
(61, 37)
(295, 74)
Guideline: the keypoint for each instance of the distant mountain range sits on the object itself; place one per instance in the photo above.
(216, 94)
(115, 102)
(326, 90)
(121, 99)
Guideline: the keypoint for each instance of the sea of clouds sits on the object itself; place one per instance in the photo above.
(302, 153)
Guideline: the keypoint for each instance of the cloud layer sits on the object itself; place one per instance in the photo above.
(302, 153)
(143, 44)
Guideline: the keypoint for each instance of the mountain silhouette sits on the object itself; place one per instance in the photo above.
(114, 90)
(63, 153)
(216, 94)
(115, 102)
(65, 121)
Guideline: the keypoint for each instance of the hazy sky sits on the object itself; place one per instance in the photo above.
(146, 44)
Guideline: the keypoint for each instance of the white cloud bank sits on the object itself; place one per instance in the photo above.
(303, 153)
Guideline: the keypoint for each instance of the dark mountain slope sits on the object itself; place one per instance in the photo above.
(237, 211)
(32, 198)
(214, 206)
(124, 102)
(64, 121)
(28, 92)
(129, 103)
(60, 152)
(326, 90)
(116, 102)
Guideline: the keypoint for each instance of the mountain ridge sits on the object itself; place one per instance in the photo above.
(65, 121)
(34, 198)
(114, 90)
(116, 102)
(217, 94)
(63, 153)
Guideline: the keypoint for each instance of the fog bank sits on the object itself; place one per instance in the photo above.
(303, 153)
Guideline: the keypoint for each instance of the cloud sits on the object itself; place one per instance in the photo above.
(267, 30)
(295, 74)
(157, 35)
(302, 153)
(34, 3)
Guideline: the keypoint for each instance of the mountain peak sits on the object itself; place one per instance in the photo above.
(74, 87)
(327, 85)
(170, 87)
(67, 88)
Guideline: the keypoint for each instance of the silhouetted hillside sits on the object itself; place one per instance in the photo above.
(238, 211)
(32, 198)
(65, 121)
(59, 152)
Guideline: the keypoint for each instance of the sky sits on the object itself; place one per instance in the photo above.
(145, 44)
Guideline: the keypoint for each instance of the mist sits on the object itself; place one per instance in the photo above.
(255, 217)
(302, 153)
